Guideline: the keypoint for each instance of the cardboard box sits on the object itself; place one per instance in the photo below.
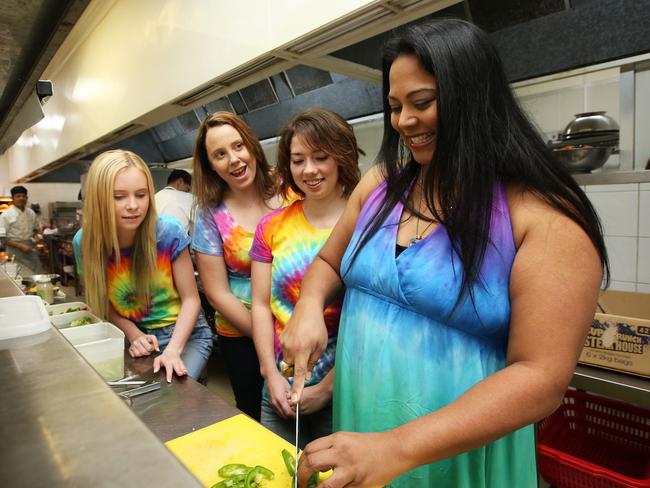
(619, 337)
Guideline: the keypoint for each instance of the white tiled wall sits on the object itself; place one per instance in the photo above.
(624, 211)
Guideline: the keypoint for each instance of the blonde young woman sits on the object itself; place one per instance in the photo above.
(235, 188)
(318, 160)
(137, 268)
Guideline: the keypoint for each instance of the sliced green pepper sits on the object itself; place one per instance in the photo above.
(230, 483)
(253, 479)
(289, 462)
(230, 470)
(265, 472)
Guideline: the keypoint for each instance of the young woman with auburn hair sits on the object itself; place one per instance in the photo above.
(235, 188)
(137, 268)
(318, 160)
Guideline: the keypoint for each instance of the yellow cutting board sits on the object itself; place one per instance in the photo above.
(238, 439)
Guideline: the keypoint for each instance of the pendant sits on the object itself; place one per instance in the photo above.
(414, 240)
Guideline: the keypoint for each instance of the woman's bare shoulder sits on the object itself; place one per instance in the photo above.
(531, 214)
(373, 177)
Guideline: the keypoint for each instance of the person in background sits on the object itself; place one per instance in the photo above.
(318, 160)
(471, 262)
(22, 227)
(234, 189)
(137, 268)
(176, 200)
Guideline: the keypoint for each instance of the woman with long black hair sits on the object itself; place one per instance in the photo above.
(471, 262)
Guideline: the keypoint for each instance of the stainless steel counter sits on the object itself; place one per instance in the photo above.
(612, 384)
(61, 425)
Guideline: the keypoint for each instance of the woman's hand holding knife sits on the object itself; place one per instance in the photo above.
(303, 340)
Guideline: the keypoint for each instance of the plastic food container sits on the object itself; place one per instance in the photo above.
(22, 316)
(102, 345)
(591, 441)
(65, 320)
(60, 308)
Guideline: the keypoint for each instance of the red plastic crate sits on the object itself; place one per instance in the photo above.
(594, 442)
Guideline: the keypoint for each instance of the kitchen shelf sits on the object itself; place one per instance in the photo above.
(612, 177)
(612, 384)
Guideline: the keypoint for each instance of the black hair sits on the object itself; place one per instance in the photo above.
(179, 174)
(483, 137)
(18, 189)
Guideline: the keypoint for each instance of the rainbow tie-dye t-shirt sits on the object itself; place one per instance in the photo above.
(290, 243)
(216, 233)
(165, 303)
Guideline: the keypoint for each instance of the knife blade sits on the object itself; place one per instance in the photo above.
(295, 479)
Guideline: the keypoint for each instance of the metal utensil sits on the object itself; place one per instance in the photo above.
(583, 159)
(121, 384)
(589, 123)
(141, 390)
(295, 478)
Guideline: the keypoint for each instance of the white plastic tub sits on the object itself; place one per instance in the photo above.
(102, 345)
(63, 321)
(61, 308)
(22, 316)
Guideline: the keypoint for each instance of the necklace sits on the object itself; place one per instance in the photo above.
(418, 237)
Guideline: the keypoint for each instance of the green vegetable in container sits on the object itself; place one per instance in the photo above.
(81, 321)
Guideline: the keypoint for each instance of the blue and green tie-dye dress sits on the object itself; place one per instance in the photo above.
(399, 358)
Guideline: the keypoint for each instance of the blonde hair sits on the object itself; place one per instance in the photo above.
(99, 240)
(208, 187)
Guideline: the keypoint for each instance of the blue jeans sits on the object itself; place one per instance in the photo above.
(198, 347)
(312, 427)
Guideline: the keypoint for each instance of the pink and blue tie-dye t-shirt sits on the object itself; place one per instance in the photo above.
(290, 243)
(165, 303)
(216, 233)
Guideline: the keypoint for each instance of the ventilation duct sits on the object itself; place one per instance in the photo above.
(119, 134)
(199, 94)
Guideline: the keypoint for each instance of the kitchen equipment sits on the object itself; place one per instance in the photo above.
(149, 386)
(22, 316)
(295, 478)
(590, 123)
(102, 345)
(64, 217)
(60, 308)
(238, 439)
(31, 280)
(45, 289)
(587, 142)
(65, 320)
(583, 159)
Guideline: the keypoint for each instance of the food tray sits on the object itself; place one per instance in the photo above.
(60, 308)
(22, 316)
(102, 345)
(62, 321)
(595, 442)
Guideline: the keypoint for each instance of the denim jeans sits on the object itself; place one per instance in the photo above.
(198, 347)
(312, 427)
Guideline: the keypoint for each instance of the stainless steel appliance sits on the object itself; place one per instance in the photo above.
(64, 216)
(587, 142)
